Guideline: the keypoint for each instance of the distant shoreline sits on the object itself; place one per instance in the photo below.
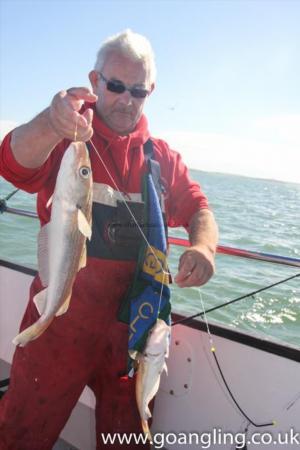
(216, 172)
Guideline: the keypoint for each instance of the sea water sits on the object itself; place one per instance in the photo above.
(252, 214)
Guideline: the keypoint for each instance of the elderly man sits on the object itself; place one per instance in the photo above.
(88, 345)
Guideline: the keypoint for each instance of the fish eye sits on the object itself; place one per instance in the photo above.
(84, 171)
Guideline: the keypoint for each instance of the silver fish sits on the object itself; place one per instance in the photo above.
(62, 242)
(151, 364)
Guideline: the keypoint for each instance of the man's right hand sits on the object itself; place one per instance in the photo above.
(64, 115)
(33, 142)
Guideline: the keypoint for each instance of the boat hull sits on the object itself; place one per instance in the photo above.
(193, 406)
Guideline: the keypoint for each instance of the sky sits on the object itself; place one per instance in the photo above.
(227, 94)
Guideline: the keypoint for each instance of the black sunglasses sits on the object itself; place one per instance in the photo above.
(118, 87)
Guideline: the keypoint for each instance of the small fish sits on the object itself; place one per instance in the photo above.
(62, 242)
(151, 365)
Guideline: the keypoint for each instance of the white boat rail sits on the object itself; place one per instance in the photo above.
(223, 249)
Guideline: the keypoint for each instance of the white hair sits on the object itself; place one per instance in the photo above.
(131, 45)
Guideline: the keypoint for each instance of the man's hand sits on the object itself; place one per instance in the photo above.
(64, 117)
(197, 264)
(196, 267)
(33, 142)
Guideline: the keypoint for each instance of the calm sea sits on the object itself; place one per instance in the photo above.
(253, 214)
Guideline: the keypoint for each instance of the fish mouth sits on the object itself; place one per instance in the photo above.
(81, 155)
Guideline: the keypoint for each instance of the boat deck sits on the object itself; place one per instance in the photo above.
(193, 396)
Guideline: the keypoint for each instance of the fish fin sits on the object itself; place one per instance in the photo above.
(40, 301)
(151, 394)
(83, 225)
(148, 412)
(49, 202)
(32, 332)
(82, 261)
(131, 372)
(165, 368)
(64, 307)
(147, 431)
(43, 260)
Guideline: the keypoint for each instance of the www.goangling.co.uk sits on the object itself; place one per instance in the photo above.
(206, 440)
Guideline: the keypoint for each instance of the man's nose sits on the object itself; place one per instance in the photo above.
(126, 98)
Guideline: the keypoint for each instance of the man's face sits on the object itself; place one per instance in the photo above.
(120, 112)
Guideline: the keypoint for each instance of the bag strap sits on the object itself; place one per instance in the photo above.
(153, 167)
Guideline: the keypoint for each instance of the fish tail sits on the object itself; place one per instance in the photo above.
(147, 431)
(32, 332)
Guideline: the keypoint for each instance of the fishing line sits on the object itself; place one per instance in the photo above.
(76, 129)
(213, 350)
(250, 294)
(161, 291)
(186, 319)
(128, 208)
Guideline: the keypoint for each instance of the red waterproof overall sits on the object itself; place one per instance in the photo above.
(87, 345)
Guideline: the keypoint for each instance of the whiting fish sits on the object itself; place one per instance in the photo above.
(62, 242)
(150, 367)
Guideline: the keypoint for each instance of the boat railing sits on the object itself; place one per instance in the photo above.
(223, 249)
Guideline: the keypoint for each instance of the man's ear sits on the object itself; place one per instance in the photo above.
(152, 88)
(94, 79)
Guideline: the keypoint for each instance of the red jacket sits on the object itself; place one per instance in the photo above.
(124, 159)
